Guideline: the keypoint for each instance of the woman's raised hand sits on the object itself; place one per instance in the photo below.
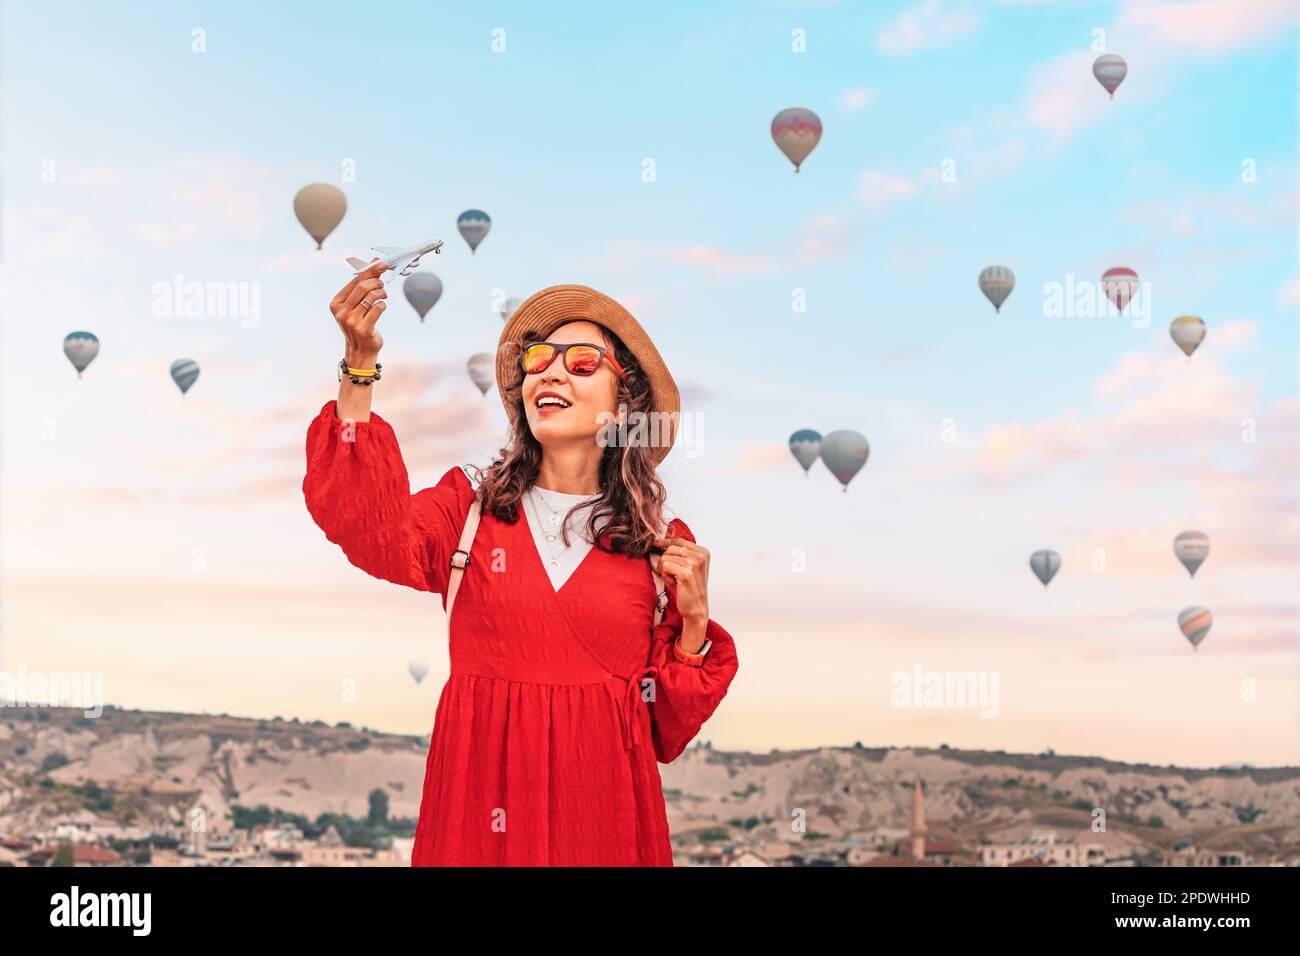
(357, 309)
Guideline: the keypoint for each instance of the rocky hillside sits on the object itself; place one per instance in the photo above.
(158, 765)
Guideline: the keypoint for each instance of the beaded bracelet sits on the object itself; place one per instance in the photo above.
(360, 376)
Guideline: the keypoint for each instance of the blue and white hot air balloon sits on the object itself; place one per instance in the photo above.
(996, 282)
(474, 225)
(806, 446)
(81, 349)
(184, 372)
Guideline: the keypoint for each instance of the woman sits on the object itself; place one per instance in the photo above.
(563, 692)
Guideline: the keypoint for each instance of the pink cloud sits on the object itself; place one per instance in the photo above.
(877, 189)
(1207, 26)
(930, 25)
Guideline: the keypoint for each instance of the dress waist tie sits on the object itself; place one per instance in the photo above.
(632, 697)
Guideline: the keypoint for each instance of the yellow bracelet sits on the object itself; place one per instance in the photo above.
(367, 372)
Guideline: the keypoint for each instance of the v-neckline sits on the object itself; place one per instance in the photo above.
(541, 566)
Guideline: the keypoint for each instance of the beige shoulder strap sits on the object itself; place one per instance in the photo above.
(460, 557)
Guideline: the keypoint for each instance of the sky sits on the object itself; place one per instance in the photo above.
(162, 540)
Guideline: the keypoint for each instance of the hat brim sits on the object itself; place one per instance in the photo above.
(544, 311)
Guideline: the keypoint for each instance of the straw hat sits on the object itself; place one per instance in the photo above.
(543, 312)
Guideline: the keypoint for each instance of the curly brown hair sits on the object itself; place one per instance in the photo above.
(631, 493)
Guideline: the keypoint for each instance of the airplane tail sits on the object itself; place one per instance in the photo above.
(358, 264)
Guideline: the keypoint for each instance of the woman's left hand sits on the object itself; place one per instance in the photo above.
(685, 565)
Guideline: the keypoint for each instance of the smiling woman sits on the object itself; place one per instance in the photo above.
(571, 674)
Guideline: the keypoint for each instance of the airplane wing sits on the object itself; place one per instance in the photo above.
(387, 251)
(404, 267)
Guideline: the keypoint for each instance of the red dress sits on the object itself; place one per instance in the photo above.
(543, 752)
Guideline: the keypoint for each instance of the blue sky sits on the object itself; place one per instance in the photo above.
(1074, 433)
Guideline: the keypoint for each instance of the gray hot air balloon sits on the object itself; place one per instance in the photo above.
(473, 225)
(418, 668)
(81, 349)
(1110, 70)
(508, 308)
(483, 370)
(1045, 564)
(1192, 548)
(996, 282)
(844, 453)
(423, 290)
(806, 446)
(320, 208)
(184, 372)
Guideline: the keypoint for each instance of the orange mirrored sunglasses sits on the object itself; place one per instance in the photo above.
(580, 358)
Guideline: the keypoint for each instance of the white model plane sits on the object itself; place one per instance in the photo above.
(403, 260)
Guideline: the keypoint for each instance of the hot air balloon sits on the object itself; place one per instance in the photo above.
(423, 290)
(1195, 623)
(806, 446)
(795, 132)
(1045, 564)
(508, 308)
(418, 669)
(1120, 285)
(1192, 548)
(81, 349)
(320, 208)
(184, 372)
(473, 225)
(996, 282)
(844, 453)
(483, 370)
(1110, 70)
(1187, 332)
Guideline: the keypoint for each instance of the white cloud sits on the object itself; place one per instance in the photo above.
(930, 25)
(1207, 26)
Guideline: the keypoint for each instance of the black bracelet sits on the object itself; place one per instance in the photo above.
(359, 380)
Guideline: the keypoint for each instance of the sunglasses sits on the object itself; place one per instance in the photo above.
(580, 358)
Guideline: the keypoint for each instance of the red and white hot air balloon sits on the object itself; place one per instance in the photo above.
(796, 131)
(1120, 285)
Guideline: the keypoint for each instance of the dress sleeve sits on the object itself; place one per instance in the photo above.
(358, 492)
(686, 695)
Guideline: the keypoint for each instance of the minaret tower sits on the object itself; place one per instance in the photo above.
(918, 821)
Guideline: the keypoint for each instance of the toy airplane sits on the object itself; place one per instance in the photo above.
(403, 260)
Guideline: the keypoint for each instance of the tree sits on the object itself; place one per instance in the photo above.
(63, 856)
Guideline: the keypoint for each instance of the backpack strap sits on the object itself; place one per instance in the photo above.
(460, 557)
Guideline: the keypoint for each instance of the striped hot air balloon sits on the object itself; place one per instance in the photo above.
(1045, 564)
(473, 225)
(1195, 623)
(1120, 285)
(81, 349)
(1110, 70)
(806, 446)
(996, 282)
(184, 372)
(796, 131)
(1188, 332)
(1191, 549)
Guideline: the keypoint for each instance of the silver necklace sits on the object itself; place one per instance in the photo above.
(553, 522)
